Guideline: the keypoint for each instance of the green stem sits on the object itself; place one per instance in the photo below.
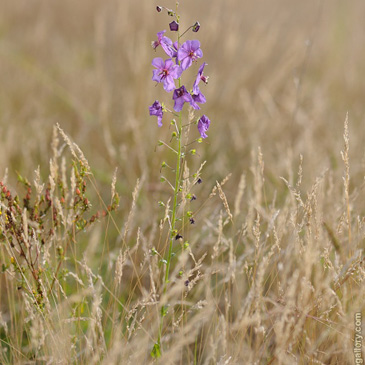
(173, 222)
(174, 205)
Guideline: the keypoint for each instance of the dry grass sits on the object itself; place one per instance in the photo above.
(274, 271)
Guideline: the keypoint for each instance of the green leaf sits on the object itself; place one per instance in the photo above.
(164, 310)
(156, 351)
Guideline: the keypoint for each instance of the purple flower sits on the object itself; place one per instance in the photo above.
(165, 42)
(199, 98)
(156, 109)
(166, 72)
(199, 77)
(203, 126)
(190, 51)
(197, 94)
(181, 96)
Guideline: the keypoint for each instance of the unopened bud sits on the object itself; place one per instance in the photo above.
(196, 27)
(159, 8)
(174, 26)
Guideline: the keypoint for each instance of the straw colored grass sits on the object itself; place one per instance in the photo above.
(272, 271)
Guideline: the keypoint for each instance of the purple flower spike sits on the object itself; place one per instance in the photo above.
(190, 51)
(156, 109)
(181, 96)
(203, 126)
(174, 26)
(166, 72)
(165, 43)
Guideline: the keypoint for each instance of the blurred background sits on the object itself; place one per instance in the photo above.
(283, 75)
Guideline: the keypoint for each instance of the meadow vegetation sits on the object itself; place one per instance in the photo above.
(271, 272)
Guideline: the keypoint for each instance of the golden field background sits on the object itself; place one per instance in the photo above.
(283, 76)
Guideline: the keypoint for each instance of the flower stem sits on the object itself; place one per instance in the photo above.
(174, 204)
(173, 223)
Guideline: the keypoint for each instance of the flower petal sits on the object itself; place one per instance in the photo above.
(168, 83)
(156, 76)
(194, 45)
(186, 63)
(182, 53)
(158, 62)
(199, 98)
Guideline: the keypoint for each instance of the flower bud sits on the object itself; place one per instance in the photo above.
(174, 26)
(159, 8)
(170, 12)
(196, 27)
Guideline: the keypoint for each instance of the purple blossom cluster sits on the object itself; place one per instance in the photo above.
(180, 58)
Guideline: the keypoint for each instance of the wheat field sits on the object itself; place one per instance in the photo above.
(271, 272)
